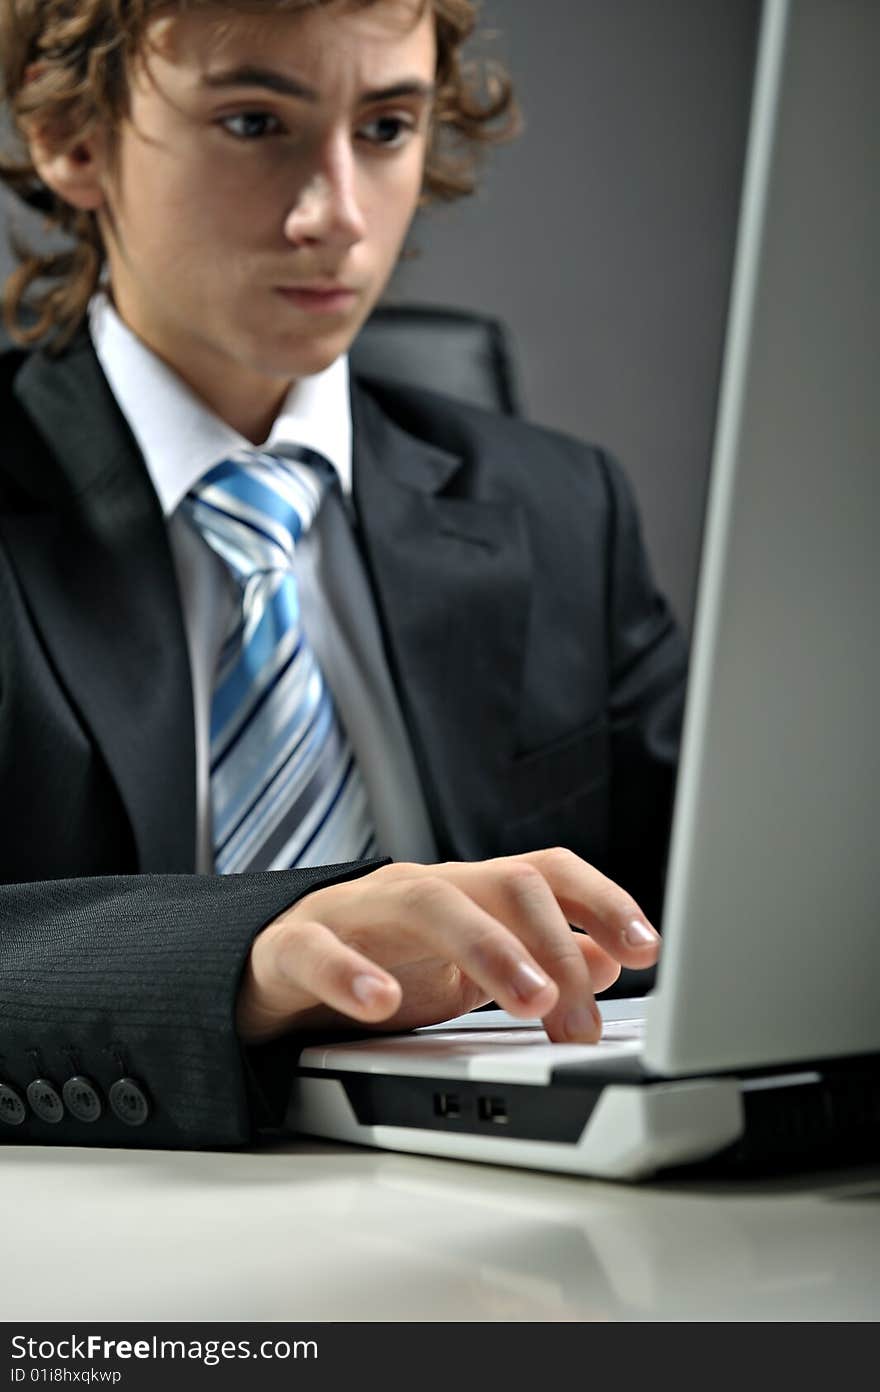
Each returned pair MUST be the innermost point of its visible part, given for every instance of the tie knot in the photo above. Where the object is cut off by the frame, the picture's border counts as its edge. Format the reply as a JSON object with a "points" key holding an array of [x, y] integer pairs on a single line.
{"points": [[254, 506]]}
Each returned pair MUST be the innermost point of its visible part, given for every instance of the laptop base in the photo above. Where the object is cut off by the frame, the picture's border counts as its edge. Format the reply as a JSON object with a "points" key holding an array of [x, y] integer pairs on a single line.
{"points": [[611, 1121], [628, 1131]]}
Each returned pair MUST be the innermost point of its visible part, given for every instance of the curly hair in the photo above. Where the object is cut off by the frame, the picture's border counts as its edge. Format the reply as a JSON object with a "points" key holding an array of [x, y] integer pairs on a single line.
{"points": [[64, 66]]}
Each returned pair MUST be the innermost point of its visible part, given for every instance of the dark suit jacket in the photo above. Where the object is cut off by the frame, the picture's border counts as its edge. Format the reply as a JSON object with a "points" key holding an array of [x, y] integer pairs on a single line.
{"points": [[540, 675]]}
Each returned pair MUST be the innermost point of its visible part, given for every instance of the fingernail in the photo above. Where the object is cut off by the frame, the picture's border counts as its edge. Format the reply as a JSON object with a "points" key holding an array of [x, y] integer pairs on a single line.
{"points": [[580, 1022], [368, 989], [638, 934], [527, 982]]}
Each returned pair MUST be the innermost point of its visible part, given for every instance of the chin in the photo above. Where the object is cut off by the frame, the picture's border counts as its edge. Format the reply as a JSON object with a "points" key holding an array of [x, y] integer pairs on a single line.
{"points": [[307, 360]]}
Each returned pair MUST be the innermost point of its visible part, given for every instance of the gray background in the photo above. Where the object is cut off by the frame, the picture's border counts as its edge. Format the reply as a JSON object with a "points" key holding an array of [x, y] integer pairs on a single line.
{"points": [[603, 236]]}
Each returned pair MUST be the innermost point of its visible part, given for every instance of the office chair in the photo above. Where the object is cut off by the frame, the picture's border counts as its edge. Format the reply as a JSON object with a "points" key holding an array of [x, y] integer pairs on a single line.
{"points": [[462, 354]]}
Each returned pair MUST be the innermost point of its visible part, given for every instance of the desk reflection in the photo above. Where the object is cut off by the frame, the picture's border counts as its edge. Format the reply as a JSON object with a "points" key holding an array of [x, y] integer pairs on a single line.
{"points": [[309, 1231]]}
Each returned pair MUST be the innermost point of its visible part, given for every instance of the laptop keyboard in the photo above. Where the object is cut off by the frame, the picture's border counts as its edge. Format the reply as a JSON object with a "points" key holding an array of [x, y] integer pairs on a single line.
{"points": [[622, 1029]]}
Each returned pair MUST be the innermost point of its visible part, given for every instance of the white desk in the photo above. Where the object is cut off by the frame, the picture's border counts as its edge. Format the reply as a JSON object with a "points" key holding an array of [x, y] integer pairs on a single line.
{"points": [[314, 1231]]}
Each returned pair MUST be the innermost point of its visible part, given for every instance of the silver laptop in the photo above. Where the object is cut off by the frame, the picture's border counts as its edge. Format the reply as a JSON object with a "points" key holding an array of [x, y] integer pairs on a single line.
{"points": [[762, 1037]]}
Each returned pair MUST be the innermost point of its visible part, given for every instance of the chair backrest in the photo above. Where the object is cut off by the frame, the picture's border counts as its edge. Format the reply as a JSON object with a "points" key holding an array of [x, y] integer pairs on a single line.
{"points": [[462, 354]]}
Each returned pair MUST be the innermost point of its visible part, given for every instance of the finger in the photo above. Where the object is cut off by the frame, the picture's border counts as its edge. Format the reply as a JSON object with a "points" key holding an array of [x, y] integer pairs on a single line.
{"points": [[303, 964], [530, 910], [595, 903], [519, 895], [604, 970], [428, 915]]}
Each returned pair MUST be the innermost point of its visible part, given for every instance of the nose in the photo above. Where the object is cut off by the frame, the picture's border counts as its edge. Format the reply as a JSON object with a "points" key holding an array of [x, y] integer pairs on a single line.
{"points": [[327, 211]]}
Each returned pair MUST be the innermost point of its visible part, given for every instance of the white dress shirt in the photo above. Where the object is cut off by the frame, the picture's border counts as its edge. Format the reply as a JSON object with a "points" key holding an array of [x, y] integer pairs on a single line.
{"points": [[181, 438]]}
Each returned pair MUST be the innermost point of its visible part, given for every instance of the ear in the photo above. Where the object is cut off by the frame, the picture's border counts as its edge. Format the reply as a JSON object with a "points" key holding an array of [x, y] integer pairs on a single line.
{"points": [[76, 174]]}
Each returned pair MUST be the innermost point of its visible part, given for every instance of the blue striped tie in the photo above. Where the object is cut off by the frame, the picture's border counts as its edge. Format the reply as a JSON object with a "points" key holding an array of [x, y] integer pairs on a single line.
{"points": [[285, 788]]}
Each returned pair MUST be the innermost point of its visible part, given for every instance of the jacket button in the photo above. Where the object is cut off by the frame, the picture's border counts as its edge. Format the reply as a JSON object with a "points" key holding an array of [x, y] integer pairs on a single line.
{"points": [[128, 1102], [12, 1109], [44, 1100], [82, 1098]]}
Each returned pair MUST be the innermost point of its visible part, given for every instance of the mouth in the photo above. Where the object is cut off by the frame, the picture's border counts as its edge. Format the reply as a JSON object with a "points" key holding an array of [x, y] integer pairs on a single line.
{"points": [[319, 299]]}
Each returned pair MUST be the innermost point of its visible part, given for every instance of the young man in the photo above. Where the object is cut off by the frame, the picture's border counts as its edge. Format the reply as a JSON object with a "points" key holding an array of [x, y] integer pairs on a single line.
{"points": [[207, 530]]}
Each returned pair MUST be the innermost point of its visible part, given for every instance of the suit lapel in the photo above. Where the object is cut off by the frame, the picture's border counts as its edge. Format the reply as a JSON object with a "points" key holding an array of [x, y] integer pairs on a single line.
{"points": [[451, 577], [94, 561]]}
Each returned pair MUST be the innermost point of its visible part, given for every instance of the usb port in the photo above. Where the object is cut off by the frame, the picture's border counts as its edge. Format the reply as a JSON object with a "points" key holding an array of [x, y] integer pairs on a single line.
{"points": [[492, 1109], [446, 1104]]}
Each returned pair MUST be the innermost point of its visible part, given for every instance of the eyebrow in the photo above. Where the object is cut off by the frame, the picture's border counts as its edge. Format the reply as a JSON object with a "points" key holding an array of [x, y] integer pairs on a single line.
{"points": [[290, 86]]}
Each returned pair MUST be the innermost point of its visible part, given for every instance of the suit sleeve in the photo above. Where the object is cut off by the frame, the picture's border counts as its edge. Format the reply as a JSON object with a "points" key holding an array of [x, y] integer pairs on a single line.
{"points": [[647, 672], [135, 977]]}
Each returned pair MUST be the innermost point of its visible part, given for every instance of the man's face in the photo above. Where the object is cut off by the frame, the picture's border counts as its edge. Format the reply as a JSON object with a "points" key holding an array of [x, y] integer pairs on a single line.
{"points": [[260, 168]]}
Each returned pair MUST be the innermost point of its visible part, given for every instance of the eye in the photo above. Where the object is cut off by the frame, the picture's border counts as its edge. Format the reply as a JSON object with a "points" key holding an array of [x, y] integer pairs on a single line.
{"points": [[251, 125], [387, 131]]}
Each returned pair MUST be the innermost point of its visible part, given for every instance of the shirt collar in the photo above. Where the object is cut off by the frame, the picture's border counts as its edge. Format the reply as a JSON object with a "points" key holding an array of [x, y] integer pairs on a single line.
{"points": [[181, 438]]}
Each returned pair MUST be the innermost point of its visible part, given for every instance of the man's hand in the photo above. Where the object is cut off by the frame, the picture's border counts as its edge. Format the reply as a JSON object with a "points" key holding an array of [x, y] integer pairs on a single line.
{"points": [[411, 945]]}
